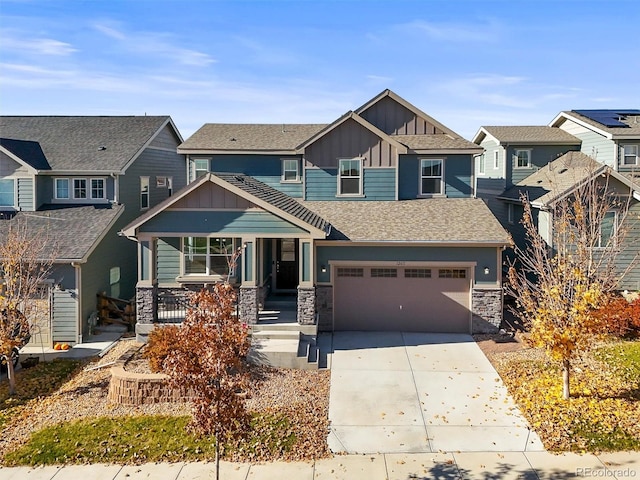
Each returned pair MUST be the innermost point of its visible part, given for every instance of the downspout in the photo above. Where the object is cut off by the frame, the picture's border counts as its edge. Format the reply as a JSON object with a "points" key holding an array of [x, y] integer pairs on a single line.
{"points": [[78, 276]]}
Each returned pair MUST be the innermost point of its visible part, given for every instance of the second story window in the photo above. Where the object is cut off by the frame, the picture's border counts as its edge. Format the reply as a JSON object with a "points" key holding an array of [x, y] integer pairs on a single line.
{"points": [[496, 160], [630, 155], [79, 188], [62, 188], [481, 166], [431, 178], [350, 176], [290, 172], [7, 192], [97, 188], [144, 192], [523, 158], [608, 228]]}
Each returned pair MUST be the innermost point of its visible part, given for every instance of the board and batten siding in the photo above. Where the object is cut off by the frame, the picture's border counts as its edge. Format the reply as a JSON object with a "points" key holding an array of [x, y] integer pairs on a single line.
{"points": [[210, 195], [395, 119], [264, 168], [378, 184], [457, 176], [350, 140], [65, 316], [593, 144], [482, 256]]}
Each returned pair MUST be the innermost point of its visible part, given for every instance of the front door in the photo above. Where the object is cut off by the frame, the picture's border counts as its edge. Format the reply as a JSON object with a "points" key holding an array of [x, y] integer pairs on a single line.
{"points": [[286, 264]]}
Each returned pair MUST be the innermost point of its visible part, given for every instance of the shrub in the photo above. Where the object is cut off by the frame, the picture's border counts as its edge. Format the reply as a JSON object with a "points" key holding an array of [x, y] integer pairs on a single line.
{"points": [[621, 316], [161, 343]]}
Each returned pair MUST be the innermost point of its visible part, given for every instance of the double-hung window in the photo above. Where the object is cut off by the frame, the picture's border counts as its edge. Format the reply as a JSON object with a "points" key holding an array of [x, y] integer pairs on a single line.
{"points": [[431, 176], [62, 188], [523, 158], [350, 176], [144, 192], [7, 192], [97, 188], [496, 160], [608, 227], [290, 170], [207, 256], [80, 188], [481, 166], [630, 155], [199, 167]]}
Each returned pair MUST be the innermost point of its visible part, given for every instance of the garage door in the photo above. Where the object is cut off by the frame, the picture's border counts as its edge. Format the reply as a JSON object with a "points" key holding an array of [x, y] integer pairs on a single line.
{"points": [[401, 298]]}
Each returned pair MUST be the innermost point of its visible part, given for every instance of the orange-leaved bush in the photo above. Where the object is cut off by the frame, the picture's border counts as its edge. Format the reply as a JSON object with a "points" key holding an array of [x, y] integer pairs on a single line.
{"points": [[621, 316]]}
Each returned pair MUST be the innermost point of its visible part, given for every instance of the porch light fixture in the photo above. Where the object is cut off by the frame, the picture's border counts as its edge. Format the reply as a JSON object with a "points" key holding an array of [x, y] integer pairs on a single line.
{"points": [[323, 268], [486, 270]]}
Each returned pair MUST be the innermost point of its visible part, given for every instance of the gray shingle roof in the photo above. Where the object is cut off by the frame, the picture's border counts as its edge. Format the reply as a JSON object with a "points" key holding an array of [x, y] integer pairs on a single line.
{"points": [[532, 134], [556, 178], [28, 151], [73, 143], [258, 137], [274, 197], [73, 229], [632, 122], [447, 220], [434, 142]]}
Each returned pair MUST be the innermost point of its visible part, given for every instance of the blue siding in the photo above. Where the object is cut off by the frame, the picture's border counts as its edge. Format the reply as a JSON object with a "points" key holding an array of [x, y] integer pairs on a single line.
{"points": [[485, 257], [457, 176], [378, 184], [265, 168], [65, 316], [168, 260], [206, 222], [540, 156]]}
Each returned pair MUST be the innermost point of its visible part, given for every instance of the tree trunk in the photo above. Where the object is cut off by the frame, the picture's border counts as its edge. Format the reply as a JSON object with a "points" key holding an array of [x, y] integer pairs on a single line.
{"points": [[11, 375], [217, 456], [566, 391]]}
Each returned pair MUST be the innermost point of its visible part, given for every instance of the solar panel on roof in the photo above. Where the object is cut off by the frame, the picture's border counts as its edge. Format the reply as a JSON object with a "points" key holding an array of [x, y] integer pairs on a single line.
{"points": [[608, 118]]}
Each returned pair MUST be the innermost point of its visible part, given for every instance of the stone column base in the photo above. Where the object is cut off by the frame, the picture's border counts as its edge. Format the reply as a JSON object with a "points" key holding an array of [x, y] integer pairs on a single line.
{"points": [[248, 305], [306, 305], [487, 310], [324, 307]]}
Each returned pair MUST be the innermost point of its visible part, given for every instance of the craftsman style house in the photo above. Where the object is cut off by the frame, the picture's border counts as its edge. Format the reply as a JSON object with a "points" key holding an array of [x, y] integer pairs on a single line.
{"points": [[369, 223], [79, 180]]}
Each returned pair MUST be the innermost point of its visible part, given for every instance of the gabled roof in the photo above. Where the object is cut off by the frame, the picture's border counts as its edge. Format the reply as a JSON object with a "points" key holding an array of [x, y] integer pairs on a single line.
{"points": [[526, 135], [408, 106], [629, 124], [84, 143], [229, 138], [559, 178], [433, 220], [357, 118], [75, 230], [254, 191], [437, 143], [26, 152]]}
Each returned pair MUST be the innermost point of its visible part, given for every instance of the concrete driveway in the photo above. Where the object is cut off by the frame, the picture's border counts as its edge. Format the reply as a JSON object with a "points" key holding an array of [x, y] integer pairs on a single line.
{"points": [[415, 392]]}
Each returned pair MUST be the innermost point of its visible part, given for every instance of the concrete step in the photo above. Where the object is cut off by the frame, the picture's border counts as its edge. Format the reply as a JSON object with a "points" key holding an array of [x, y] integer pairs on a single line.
{"points": [[284, 349], [284, 326], [281, 334]]}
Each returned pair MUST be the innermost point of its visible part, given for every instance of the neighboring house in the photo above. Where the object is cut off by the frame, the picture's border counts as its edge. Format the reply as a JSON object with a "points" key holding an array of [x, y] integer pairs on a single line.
{"points": [[611, 137], [511, 154], [369, 223], [82, 179], [558, 180]]}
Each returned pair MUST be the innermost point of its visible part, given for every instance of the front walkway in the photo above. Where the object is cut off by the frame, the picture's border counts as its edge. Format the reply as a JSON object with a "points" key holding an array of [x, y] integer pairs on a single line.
{"points": [[394, 392], [441, 466]]}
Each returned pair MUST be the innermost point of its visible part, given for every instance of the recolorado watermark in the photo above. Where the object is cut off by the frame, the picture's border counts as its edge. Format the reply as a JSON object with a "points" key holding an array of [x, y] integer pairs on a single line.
{"points": [[606, 472]]}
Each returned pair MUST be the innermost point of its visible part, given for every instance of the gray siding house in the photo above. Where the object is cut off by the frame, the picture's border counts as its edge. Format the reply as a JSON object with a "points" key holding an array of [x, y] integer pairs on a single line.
{"points": [[368, 223], [82, 179]]}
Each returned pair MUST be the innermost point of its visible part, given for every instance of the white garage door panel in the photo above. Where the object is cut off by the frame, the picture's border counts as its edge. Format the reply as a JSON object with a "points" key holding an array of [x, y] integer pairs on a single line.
{"points": [[408, 304]]}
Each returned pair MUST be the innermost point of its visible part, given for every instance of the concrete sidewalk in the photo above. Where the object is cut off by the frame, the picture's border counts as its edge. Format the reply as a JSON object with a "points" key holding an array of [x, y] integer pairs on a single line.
{"points": [[441, 466]]}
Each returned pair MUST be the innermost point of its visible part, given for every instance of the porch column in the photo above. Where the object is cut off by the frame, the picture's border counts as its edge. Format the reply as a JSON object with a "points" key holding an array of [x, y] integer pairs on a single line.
{"points": [[306, 289], [146, 288], [248, 301]]}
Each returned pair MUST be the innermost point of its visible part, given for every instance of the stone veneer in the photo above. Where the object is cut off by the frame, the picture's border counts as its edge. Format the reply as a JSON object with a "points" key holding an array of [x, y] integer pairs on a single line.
{"points": [[306, 305], [487, 310], [248, 304], [324, 307], [146, 303]]}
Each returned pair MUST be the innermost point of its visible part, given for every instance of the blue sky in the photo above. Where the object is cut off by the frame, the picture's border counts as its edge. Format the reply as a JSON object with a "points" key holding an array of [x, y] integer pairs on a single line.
{"points": [[466, 63]]}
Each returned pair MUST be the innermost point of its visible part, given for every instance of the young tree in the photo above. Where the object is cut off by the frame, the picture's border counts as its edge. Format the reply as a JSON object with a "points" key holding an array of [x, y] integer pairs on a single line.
{"points": [[26, 261], [558, 285], [206, 358]]}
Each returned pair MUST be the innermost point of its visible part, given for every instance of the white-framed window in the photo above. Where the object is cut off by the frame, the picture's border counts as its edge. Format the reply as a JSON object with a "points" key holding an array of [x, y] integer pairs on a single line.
{"points": [[207, 256], [510, 207], [80, 188], [199, 167], [97, 188], [496, 160], [431, 176], [608, 229], [144, 192], [350, 176], [290, 170], [481, 166], [161, 182], [630, 155], [61, 188], [522, 158], [170, 185], [7, 192]]}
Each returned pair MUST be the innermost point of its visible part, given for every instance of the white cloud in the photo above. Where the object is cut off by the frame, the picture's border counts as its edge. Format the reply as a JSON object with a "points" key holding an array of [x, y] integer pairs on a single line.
{"points": [[38, 46], [454, 32]]}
